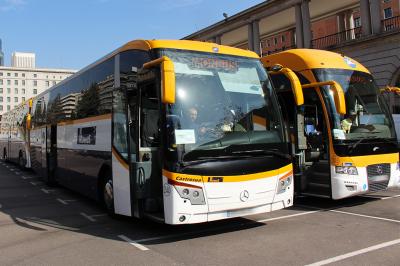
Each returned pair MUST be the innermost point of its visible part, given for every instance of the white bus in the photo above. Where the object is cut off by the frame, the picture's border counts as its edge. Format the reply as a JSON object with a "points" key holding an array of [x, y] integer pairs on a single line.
{"points": [[177, 131]]}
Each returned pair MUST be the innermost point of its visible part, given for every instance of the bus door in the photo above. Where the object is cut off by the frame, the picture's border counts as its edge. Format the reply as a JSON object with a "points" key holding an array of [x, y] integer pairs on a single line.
{"points": [[148, 164], [43, 153], [313, 142], [51, 154]]}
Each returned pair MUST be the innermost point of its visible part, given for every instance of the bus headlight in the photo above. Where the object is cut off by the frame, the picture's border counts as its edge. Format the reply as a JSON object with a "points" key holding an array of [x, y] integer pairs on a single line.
{"points": [[195, 195], [284, 183], [349, 170]]}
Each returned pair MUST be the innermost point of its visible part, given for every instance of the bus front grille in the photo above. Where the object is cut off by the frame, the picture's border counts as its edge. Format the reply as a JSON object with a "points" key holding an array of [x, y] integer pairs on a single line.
{"points": [[378, 176]]}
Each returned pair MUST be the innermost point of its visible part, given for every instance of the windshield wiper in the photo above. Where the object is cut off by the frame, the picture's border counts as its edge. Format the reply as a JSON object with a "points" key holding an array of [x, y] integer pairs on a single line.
{"points": [[352, 147], [273, 152], [206, 159]]}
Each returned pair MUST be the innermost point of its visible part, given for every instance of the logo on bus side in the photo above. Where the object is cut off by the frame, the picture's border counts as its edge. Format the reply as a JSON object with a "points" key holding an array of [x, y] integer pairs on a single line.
{"points": [[215, 179]]}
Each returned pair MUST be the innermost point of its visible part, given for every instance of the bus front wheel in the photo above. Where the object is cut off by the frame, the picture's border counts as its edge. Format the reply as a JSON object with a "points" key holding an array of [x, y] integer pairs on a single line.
{"points": [[108, 195]]}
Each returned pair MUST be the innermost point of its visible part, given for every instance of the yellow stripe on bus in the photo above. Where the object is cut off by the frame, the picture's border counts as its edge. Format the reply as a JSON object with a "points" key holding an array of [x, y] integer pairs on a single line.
{"points": [[234, 178], [363, 161]]}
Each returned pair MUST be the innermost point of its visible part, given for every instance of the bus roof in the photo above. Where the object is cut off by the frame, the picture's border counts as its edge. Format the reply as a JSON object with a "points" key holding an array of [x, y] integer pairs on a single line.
{"points": [[187, 45], [305, 59]]}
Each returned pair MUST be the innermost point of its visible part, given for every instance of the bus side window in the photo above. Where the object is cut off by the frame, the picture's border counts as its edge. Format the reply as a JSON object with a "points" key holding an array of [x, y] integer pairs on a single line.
{"points": [[150, 116]]}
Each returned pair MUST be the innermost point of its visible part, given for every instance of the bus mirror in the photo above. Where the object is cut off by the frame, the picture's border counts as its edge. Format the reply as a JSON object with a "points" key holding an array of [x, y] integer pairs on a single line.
{"points": [[337, 91], [28, 122], [294, 82], [168, 81], [339, 97], [167, 78]]}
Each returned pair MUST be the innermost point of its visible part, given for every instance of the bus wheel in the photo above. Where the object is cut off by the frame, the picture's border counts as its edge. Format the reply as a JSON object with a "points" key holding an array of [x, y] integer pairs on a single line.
{"points": [[108, 195], [21, 163]]}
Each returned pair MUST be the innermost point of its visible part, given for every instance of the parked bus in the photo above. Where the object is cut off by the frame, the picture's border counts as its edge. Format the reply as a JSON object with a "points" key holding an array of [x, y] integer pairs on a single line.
{"points": [[177, 131], [343, 136]]}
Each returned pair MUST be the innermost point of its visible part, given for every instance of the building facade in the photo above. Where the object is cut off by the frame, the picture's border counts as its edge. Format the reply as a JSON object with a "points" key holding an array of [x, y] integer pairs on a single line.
{"points": [[19, 84], [25, 60], [366, 30]]}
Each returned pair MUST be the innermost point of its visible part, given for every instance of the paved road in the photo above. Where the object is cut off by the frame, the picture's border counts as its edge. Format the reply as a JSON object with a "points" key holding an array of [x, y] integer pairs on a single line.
{"points": [[54, 226]]}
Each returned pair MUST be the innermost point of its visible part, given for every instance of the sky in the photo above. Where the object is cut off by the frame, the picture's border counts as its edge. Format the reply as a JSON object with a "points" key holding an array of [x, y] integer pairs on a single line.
{"points": [[74, 33]]}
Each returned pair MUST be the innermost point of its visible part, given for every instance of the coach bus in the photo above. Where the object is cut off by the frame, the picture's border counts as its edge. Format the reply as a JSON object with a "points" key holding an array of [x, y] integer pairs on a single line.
{"points": [[343, 136], [175, 131]]}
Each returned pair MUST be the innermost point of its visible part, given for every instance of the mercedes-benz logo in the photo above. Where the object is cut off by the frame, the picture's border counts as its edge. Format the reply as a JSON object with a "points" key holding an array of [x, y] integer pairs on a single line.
{"points": [[379, 169], [244, 195]]}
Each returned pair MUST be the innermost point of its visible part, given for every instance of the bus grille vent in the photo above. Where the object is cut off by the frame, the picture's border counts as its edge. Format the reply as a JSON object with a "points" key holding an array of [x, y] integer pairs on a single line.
{"points": [[378, 176]]}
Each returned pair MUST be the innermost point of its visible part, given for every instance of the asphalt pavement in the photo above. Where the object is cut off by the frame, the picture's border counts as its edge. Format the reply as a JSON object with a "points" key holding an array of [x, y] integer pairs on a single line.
{"points": [[41, 225]]}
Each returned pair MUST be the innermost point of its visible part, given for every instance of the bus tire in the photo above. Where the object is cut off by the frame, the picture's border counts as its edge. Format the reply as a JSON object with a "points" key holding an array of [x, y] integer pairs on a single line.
{"points": [[21, 162], [107, 193]]}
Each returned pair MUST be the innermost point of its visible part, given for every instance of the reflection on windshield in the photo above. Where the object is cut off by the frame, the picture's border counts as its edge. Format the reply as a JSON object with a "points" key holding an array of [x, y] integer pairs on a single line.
{"points": [[367, 115], [221, 101]]}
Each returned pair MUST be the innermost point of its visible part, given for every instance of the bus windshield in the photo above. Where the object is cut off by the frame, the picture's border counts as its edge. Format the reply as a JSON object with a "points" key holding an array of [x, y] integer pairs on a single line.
{"points": [[224, 104], [367, 115]]}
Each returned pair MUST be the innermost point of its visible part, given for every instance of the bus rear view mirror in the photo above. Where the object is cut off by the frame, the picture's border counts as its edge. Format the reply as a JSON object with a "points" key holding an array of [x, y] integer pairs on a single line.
{"points": [[167, 78], [337, 91], [294, 82]]}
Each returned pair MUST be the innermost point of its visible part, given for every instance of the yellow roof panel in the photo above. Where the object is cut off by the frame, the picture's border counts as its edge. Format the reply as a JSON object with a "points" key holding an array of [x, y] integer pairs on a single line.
{"points": [[304, 59], [187, 45]]}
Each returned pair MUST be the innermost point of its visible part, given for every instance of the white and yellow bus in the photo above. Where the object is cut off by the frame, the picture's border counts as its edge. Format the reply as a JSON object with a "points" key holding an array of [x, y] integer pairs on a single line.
{"points": [[177, 131], [343, 136]]}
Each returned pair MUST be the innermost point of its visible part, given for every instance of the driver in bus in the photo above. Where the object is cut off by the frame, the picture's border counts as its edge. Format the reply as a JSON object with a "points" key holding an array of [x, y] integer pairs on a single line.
{"points": [[193, 122]]}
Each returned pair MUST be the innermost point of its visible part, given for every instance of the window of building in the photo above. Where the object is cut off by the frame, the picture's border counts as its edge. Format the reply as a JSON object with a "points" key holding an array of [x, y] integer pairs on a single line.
{"points": [[8, 90], [1, 107], [35, 83], [15, 82], [35, 75], [1, 73], [15, 90], [23, 99], [54, 83], [1, 90], [387, 13], [15, 99], [357, 22], [23, 82], [23, 91], [23, 75], [283, 38], [8, 82], [1, 99], [15, 74], [8, 74], [1, 82], [35, 91], [8, 108], [275, 41], [47, 83], [8, 99]]}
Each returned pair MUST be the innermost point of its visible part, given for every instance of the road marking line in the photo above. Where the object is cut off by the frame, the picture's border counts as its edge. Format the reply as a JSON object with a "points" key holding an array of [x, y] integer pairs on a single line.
{"points": [[355, 253], [351, 213], [88, 217], [392, 197], [17, 173], [133, 243], [35, 183], [287, 216], [26, 177], [47, 191], [62, 201], [65, 202], [366, 216]]}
